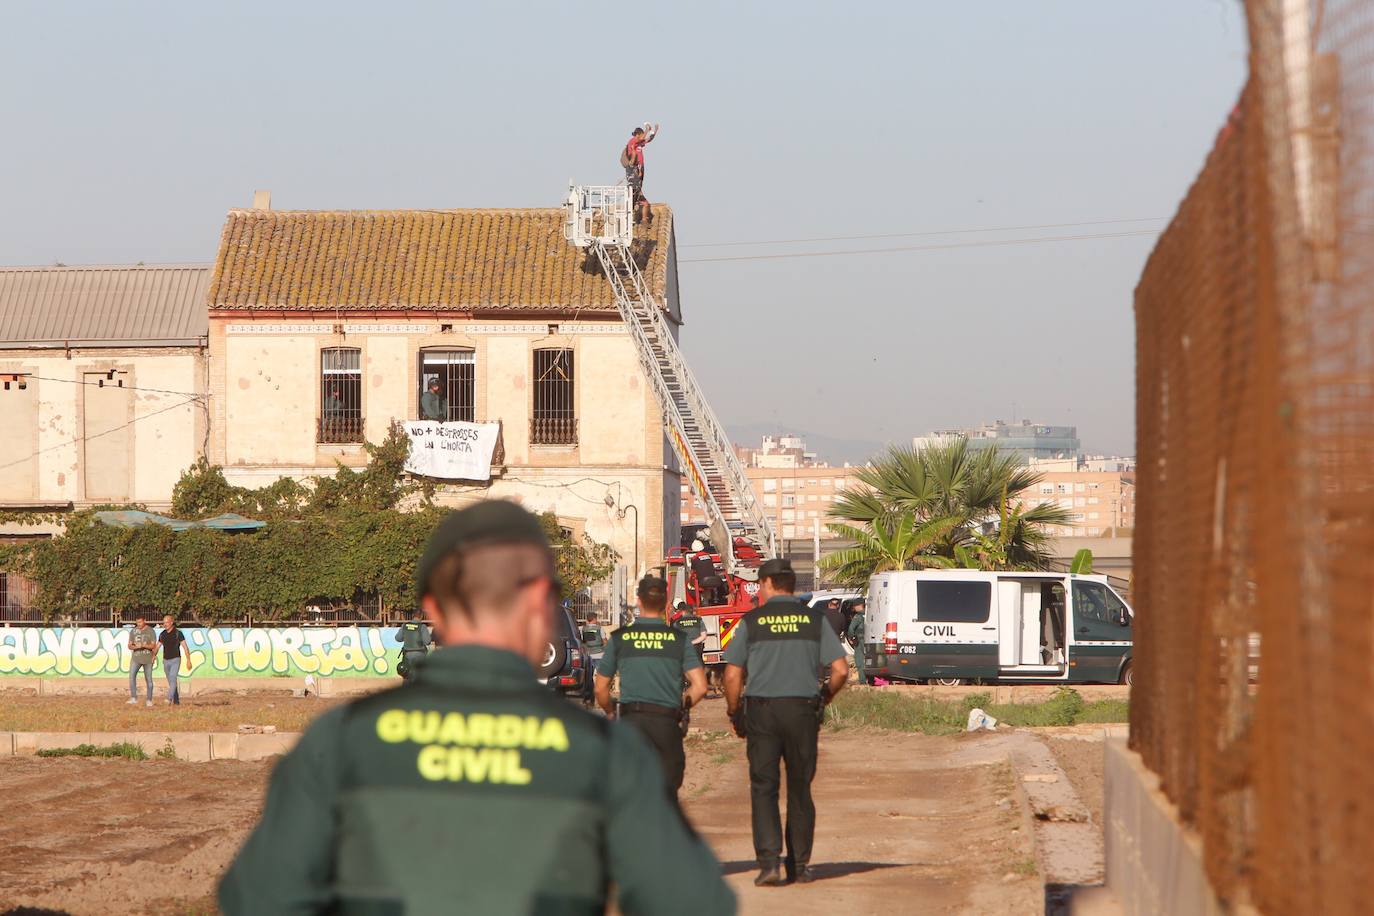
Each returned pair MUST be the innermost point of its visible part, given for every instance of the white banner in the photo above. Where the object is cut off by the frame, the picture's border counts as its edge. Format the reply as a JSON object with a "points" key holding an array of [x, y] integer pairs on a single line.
{"points": [[452, 451]]}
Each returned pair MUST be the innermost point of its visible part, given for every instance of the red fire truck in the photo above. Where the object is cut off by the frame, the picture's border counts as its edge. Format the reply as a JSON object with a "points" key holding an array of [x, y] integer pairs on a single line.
{"points": [[698, 576]]}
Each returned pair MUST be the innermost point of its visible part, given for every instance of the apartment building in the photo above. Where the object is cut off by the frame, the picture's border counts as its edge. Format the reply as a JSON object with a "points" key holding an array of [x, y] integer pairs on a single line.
{"points": [[1101, 502], [797, 499]]}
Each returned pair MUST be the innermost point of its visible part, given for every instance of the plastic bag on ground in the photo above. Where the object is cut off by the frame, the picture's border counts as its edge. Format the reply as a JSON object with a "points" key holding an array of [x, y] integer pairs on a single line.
{"points": [[979, 720]]}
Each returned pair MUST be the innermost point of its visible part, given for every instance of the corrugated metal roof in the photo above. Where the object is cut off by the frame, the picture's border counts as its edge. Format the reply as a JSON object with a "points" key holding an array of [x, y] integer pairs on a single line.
{"points": [[157, 303]]}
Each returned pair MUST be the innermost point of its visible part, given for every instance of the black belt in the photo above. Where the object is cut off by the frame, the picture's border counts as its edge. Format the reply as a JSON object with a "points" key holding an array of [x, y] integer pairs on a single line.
{"points": [[650, 708], [782, 699]]}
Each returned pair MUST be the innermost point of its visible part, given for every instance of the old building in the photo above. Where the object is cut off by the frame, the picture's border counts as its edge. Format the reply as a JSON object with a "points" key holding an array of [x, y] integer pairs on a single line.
{"points": [[326, 327], [102, 382]]}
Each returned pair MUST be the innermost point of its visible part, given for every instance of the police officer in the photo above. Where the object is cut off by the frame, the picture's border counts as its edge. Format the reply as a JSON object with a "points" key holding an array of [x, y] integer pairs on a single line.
{"points": [[474, 789], [653, 658], [855, 632], [688, 621], [415, 642], [782, 643]]}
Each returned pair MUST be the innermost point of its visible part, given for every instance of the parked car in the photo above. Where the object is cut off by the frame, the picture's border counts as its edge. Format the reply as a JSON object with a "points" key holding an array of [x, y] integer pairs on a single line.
{"points": [[567, 664]]}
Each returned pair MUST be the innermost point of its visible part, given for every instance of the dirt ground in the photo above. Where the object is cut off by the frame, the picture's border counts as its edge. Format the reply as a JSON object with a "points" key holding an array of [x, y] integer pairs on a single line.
{"points": [[208, 713], [1082, 763], [906, 823]]}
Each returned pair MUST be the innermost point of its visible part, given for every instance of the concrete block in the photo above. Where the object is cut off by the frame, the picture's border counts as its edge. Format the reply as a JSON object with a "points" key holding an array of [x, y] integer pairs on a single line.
{"points": [[256, 747], [26, 686], [1154, 862], [6, 744], [32, 742], [224, 746]]}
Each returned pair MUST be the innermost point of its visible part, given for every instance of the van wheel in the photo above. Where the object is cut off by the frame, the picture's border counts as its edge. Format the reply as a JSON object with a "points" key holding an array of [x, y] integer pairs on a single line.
{"points": [[1128, 674], [948, 681]]}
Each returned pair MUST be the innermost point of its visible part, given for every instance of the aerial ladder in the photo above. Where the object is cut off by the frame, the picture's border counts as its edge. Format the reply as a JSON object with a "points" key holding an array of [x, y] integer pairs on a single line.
{"points": [[599, 218]]}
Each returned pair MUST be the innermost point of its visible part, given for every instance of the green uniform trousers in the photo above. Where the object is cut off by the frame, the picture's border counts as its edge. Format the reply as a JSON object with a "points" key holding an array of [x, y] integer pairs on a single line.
{"points": [[664, 733], [782, 729]]}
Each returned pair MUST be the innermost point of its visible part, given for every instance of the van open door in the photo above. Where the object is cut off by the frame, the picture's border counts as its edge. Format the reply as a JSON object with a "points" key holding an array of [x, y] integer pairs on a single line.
{"points": [[1032, 613]]}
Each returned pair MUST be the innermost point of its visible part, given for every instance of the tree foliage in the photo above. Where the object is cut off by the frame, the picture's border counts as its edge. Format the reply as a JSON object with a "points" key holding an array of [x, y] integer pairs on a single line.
{"points": [[327, 540], [942, 506]]}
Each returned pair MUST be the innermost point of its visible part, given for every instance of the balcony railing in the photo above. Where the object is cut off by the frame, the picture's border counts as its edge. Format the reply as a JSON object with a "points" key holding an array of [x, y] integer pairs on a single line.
{"points": [[553, 431], [345, 426]]}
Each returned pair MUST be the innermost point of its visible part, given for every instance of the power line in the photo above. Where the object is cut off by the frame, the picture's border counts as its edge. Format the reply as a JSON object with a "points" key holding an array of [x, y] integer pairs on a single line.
{"points": [[988, 244], [904, 235]]}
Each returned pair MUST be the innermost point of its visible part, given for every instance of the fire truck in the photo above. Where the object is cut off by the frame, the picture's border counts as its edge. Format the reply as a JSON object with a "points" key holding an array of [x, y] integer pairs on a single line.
{"points": [[720, 582]]}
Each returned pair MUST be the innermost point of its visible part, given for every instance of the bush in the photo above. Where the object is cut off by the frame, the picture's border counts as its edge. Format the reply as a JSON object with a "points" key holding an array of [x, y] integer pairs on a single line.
{"points": [[125, 749]]}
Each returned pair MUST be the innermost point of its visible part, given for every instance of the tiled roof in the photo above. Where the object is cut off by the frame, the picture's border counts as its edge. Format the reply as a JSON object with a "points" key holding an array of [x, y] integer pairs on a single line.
{"points": [[437, 260], [134, 304]]}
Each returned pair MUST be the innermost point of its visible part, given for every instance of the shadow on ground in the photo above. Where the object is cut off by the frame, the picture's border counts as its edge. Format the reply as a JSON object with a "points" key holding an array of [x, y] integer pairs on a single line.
{"points": [[823, 870]]}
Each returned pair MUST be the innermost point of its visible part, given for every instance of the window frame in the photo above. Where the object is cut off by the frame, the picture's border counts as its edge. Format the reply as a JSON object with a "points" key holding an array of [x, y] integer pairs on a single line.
{"points": [[552, 423], [342, 425], [453, 412], [925, 589]]}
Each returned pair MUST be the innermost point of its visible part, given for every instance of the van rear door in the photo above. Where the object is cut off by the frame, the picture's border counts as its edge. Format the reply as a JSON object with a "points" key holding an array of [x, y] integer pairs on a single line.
{"points": [[957, 627]]}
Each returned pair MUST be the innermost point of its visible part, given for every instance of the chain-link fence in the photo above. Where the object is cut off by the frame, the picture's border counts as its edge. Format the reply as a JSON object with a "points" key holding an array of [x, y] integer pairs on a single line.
{"points": [[1254, 548]]}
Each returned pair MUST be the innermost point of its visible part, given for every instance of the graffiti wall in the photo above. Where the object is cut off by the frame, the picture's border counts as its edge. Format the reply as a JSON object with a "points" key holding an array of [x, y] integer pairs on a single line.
{"points": [[221, 652]]}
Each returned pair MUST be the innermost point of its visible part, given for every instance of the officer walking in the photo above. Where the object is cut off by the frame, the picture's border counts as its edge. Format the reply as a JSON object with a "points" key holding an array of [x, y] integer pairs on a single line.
{"points": [[855, 632], [653, 658], [782, 643], [473, 789], [415, 642]]}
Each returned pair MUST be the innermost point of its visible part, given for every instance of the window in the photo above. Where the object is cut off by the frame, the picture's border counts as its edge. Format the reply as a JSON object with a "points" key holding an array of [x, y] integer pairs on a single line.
{"points": [[1063, 488], [811, 483], [789, 531], [1046, 489], [789, 515], [770, 500], [1094, 601], [789, 485], [953, 602], [789, 500], [554, 421], [1079, 488], [448, 385], [341, 395], [770, 485]]}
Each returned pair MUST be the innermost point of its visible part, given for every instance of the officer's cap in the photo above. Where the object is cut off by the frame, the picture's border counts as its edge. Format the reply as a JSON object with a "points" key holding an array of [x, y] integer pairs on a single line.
{"points": [[774, 567], [492, 521], [652, 585]]}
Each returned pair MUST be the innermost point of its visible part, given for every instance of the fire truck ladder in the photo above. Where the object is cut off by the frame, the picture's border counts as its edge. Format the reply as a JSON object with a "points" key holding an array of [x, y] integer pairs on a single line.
{"points": [[599, 218]]}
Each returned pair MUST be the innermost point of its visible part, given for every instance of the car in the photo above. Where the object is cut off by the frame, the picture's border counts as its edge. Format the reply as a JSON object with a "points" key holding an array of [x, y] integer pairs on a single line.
{"points": [[567, 663]]}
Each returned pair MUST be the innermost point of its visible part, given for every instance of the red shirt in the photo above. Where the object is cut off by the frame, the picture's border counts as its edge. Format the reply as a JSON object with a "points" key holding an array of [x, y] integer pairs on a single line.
{"points": [[636, 148]]}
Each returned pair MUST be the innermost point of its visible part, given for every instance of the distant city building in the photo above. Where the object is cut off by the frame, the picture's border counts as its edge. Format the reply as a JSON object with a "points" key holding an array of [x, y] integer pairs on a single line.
{"points": [[1025, 439], [1101, 503], [797, 500], [787, 451], [1099, 463]]}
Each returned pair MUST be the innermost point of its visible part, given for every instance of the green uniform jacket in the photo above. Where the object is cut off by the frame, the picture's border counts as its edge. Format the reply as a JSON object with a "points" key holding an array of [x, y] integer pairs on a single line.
{"points": [[414, 636], [783, 645], [472, 790], [652, 659]]}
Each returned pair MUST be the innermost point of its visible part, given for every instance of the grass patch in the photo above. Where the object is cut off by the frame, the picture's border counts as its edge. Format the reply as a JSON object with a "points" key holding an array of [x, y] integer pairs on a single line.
{"points": [[168, 752], [124, 749], [931, 716]]}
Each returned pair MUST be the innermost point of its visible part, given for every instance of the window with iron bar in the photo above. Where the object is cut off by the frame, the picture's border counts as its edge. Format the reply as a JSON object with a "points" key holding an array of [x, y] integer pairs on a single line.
{"points": [[448, 385], [554, 419], [341, 395]]}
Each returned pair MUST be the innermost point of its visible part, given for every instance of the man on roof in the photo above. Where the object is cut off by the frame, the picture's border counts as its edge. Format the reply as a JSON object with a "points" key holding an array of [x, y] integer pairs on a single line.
{"points": [[632, 159]]}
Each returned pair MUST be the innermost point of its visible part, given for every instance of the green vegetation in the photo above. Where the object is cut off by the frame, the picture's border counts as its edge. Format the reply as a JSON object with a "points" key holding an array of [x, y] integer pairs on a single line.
{"points": [[946, 506], [125, 749], [329, 541], [933, 716], [167, 752]]}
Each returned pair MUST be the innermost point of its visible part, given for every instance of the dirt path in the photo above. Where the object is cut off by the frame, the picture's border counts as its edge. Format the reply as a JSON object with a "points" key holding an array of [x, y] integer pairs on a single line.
{"points": [[906, 823]]}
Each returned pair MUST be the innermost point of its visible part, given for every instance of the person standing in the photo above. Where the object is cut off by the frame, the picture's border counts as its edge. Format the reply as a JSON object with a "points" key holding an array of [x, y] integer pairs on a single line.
{"points": [[415, 642], [689, 622], [782, 643], [142, 652], [834, 616], [653, 658], [855, 632], [632, 158], [174, 650], [433, 404], [474, 789]]}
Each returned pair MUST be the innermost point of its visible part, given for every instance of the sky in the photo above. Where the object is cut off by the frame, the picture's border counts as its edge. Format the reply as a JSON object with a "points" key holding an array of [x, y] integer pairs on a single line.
{"points": [[133, 127]]}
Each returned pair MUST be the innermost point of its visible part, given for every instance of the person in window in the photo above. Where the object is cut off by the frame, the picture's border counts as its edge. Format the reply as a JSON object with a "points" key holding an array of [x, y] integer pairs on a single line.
{"points": [[433, 405], [333, 416]]}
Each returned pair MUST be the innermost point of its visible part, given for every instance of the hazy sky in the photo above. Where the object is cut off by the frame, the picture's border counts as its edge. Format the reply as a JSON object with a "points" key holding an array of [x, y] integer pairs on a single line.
{"points": [[132, 127]]}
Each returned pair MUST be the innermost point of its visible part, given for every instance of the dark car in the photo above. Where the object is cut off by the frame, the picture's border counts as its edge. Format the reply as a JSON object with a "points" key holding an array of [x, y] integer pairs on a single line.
{"points": [[567, 665]]}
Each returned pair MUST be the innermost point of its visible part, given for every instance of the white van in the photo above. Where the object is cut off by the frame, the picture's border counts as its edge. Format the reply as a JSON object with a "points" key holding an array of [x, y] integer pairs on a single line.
{"points": [[954, 626]]}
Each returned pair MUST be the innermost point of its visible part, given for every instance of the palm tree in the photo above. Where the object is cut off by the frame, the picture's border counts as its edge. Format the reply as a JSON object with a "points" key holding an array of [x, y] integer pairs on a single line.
{"points": [[968, 492], [899, 543]]}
